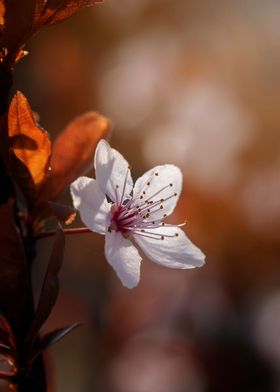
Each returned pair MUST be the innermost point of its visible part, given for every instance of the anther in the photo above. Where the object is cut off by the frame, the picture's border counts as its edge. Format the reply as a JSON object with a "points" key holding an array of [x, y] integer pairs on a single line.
{"points": [[176, 235], [148, 183], [141, 197], [117, 186], [170, 184], [144, 193], [129, 167], [165, 215], [175, 194], [162, 200], [162, 237], [156, 174], [161, 207]]}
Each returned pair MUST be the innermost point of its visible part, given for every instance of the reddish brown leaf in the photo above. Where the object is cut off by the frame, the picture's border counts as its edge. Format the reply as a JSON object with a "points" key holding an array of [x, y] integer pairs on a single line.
{"points": [[30, 144], [57, 10], [6, 334], [47, 209], [7, 376], [50, 288], [63, 212], [30, 149], [13, 268], [73, 152], [51, 338], [2, 12], [21, 19], [18, 26]]}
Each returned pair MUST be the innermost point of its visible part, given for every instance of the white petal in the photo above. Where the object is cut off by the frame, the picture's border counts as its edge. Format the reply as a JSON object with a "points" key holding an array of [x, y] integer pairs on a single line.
{"points": [[165, 176], [124, 258], [91, 203], [175, 252], [111, 171]]}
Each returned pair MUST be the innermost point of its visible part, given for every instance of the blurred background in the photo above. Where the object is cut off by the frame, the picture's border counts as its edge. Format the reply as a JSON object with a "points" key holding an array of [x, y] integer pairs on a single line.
{"points": [[195, 83]]}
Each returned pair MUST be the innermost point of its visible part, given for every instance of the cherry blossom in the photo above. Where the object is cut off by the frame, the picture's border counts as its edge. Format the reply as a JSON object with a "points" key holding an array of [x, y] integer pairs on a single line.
{"points": [[134, 217]]}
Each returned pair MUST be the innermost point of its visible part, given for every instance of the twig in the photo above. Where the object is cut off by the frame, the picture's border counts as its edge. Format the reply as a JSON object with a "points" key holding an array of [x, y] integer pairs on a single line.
{"points": [[76, 230]]}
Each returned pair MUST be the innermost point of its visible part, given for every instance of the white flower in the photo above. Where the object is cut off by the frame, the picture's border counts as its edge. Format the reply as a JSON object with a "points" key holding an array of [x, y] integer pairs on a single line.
{"points": [[134, 215]]}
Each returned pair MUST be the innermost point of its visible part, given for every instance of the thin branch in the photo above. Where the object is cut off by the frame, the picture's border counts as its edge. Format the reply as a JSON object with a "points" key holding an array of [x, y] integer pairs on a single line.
{"points": [[76, 230]]}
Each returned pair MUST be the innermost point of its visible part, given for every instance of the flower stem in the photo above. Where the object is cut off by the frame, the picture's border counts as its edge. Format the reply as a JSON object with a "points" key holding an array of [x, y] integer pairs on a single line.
{"points": [[76, 230]]}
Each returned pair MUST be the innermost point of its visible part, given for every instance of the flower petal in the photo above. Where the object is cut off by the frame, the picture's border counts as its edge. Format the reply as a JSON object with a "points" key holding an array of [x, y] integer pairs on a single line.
{"points": [[91, 203], [160, 183], [172, 252], [112, 171], [124, 258]]}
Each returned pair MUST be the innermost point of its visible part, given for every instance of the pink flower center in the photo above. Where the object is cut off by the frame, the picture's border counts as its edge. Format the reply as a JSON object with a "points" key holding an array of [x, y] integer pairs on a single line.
{"points": [[139, 215]]}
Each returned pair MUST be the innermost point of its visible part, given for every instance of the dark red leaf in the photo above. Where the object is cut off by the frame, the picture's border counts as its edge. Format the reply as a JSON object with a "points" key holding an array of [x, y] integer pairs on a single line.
{"points": [[9, 376], [18, 26], [48, 209], [63, 212], [57, 10], [21, 19], [6, 334], [50, 288], [73, 152], [8, 353], [13, 268], [2, 12], [51, 338]]}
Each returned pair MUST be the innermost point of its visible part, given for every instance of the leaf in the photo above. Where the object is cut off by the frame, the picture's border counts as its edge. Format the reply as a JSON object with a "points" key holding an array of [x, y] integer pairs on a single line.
{"points": [[48, 209], [6, 334], [51, 338], [8, 376], [63, 212], [21, 19], [18, 26], [50, 288], [30, 144], [7, 352], [73, 152], [13, 268], [2, 12], [30, 149], [57, 10]]}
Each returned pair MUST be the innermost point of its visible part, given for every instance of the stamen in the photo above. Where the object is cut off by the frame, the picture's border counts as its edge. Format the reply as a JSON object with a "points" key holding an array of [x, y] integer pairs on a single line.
{"points": [[179, 225], [117, 194], [160, 235], [125, 182], [147, 236], [159, 191], [135, 197], [131, 217]]}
